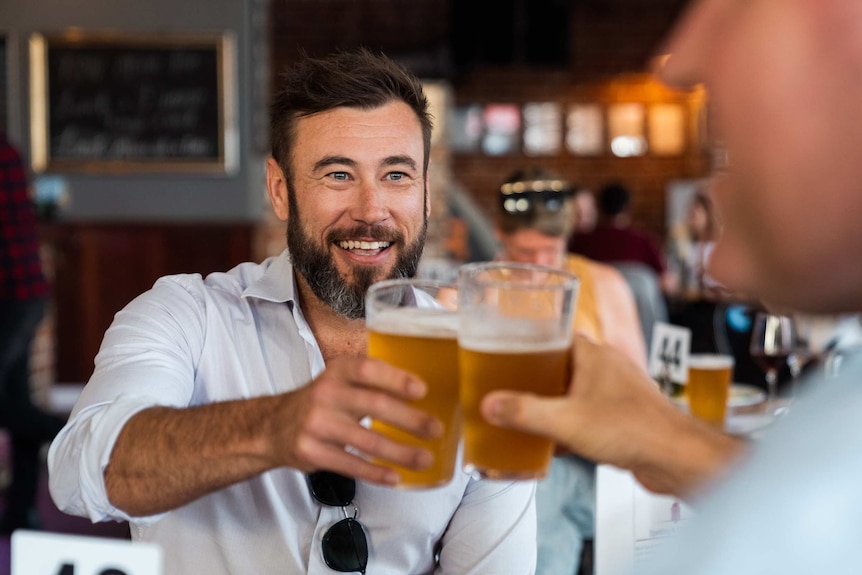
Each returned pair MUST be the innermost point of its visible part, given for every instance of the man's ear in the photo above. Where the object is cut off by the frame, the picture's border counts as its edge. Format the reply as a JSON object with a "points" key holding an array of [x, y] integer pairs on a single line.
{"points": [[276, 187]]}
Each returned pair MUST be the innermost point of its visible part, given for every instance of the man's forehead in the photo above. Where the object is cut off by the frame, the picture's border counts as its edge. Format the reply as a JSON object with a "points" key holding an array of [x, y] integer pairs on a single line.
{"points": [[390, 113], [386, 135]]}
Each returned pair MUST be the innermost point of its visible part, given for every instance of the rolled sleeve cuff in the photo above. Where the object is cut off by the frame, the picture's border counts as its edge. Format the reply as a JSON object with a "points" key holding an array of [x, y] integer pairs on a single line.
{"points": [[79, 456]]}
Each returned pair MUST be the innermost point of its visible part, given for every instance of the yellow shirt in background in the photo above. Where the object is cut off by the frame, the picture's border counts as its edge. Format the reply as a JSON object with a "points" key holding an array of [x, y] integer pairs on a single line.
{"points": [[587, 319]]}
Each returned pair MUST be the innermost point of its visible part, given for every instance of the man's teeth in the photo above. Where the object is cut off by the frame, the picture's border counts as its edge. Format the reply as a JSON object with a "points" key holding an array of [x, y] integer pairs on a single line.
{"points": [[354, 245]]}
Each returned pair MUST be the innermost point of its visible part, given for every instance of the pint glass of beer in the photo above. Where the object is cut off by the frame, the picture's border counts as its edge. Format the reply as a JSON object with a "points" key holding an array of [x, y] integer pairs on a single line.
{"points": [[413, 324], [708, 384], [515, 333]]}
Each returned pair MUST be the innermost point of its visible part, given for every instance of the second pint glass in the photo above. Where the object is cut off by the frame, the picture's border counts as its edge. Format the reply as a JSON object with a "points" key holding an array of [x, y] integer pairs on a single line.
{"points": [[709, 377], [515, 333], [409, 326]]}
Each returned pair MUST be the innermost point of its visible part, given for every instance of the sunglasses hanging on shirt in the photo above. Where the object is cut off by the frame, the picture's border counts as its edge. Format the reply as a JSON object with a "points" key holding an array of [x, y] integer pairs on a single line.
{"points": [[344, 545]]}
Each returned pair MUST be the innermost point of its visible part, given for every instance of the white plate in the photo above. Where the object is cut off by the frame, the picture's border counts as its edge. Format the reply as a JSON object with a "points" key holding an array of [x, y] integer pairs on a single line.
{"points": [[747, 424], [743, 395], [740, 395]]}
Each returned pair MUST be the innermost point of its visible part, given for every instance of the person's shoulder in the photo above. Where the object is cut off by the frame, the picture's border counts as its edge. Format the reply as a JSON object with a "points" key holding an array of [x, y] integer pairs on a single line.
{"points": [[240, 276], [806, 465], [607, 278], [233, 281], [604, 271]]}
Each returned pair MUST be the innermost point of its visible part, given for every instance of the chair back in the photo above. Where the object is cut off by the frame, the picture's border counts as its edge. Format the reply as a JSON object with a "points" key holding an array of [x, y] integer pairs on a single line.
{"points": [[645, 286]]}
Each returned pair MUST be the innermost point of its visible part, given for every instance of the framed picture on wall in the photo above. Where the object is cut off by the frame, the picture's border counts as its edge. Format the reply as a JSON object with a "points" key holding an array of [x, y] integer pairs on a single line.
{"points": [[585, 130], [626, 129], [543, 128], [666, 129], [502, 124], [131, 102]]}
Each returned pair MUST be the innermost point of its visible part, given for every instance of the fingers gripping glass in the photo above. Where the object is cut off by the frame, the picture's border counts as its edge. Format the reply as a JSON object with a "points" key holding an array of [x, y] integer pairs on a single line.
{"points": [[344, 546]]}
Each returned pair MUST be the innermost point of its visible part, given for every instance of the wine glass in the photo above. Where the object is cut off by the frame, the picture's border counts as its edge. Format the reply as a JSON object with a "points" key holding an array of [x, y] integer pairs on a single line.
{"points": [[773, 340]]}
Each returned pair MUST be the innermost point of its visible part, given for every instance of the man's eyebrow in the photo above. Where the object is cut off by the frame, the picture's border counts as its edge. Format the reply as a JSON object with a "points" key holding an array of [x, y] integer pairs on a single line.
{"points": [[332, 160], [399, 161]]}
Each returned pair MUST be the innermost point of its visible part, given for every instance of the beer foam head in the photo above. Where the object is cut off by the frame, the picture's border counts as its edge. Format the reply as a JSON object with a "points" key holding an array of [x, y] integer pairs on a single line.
{"points": [[415, 321], [514, 347], [710, 361]]}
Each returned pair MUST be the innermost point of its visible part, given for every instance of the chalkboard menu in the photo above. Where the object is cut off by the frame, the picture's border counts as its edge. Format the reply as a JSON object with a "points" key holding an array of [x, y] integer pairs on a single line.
{"points": [[132, 103]]}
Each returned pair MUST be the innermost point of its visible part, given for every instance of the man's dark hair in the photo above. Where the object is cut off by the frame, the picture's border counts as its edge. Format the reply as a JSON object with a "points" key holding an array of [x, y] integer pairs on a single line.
{"points": [[614, 199], [357, 79]]}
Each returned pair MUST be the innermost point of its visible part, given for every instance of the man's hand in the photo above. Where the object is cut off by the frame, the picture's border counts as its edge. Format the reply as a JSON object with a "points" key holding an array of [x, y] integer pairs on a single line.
{"points": [[314, 426], [614, 413]]}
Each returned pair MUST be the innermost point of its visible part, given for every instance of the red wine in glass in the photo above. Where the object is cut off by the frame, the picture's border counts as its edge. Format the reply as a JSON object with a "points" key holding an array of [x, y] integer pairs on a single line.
{"points": [[773, 362], [773, 339]]}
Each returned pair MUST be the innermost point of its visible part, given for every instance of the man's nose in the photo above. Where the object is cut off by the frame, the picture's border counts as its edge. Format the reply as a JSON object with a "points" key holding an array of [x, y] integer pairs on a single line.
{"points": [[689, 44], [370, 205]]}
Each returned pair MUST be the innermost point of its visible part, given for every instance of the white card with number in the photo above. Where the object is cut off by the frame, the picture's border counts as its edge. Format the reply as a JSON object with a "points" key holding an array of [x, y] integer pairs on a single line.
{"points": [[669, 351], [38, 553]]}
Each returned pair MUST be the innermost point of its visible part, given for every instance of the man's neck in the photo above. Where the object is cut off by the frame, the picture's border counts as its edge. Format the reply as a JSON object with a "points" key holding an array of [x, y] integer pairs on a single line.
{"points": [[335, 334]]}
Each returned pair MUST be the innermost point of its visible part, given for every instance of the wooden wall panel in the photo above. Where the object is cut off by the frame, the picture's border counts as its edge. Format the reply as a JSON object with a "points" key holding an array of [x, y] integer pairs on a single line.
{"points": [[100, 267]]}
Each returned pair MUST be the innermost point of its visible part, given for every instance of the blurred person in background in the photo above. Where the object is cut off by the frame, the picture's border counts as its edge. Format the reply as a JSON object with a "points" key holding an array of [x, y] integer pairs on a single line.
{"points": [[614, 239], [693, 248], [23, 301], [785, 81], [537, 211], [587, 211]]}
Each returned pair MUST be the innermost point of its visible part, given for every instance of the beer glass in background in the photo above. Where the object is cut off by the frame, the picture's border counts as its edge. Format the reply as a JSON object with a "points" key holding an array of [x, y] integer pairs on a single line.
{"points": [[413, 324], [515, 333], [708, 384]]}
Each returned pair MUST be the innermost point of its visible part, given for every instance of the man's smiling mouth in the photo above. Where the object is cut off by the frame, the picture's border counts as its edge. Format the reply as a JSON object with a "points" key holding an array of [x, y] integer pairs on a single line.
{"points": [[363, 248], [362, 245]]}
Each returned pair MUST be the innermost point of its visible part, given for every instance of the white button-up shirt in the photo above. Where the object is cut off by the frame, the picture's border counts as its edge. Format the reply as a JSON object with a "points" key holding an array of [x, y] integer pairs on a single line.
{"points": [[192, 341]]}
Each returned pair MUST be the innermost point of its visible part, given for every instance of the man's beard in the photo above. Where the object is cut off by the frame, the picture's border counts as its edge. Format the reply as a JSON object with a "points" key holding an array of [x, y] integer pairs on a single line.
{"points": [[317, 265]]}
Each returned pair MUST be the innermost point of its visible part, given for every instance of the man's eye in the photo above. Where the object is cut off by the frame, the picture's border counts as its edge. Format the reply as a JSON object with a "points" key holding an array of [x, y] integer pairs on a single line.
{"points": [[339, 176], [396, 176]]}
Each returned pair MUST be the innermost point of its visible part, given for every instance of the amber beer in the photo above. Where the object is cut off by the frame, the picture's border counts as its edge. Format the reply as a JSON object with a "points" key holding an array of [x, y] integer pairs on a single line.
{"points": [[422, 340], [514, 334], [709, 377], [500, 453]]}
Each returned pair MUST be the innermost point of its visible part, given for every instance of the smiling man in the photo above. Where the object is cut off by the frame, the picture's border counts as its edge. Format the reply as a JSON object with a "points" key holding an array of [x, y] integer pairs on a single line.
{"points": [[224, 416]]}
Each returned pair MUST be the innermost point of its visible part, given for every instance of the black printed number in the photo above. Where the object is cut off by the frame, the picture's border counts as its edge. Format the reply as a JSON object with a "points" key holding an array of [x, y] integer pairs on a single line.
{"points": [[69, 569]]}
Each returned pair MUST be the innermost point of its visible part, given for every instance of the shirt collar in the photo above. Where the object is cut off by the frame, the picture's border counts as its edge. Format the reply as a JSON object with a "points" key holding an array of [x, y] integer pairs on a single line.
{"points": [[277, 284]]}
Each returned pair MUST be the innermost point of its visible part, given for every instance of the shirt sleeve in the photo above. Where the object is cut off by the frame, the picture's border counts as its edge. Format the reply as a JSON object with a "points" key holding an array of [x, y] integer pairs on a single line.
{"points": [[147, 358], [493, 531], [794, 507]]}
